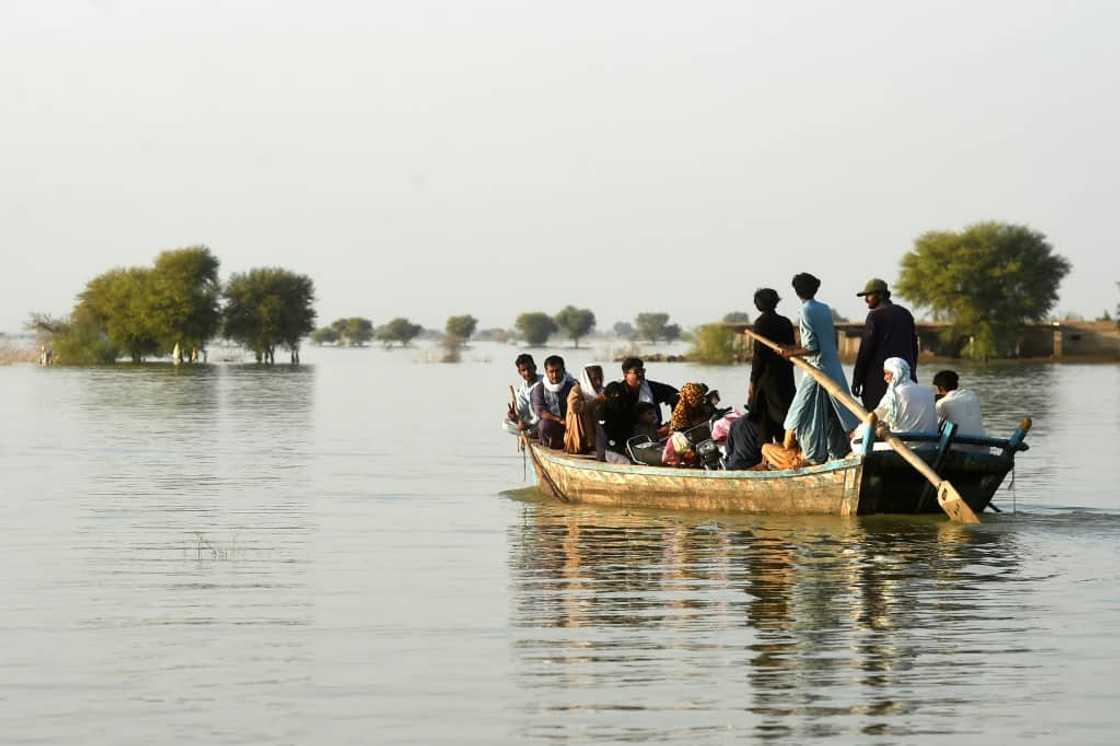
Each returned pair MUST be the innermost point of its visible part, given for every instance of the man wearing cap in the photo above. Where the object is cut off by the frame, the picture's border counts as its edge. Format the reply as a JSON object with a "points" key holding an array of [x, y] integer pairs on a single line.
{"points": [[888, 332]]}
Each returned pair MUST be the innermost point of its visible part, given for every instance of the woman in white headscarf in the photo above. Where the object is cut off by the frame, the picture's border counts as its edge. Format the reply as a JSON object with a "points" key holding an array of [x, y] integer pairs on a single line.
{"points": [[906, 407], [584, 403]]}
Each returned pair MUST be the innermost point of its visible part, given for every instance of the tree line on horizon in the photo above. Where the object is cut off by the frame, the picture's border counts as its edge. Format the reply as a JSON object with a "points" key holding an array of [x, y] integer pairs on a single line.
{"points": [[176, 306], [987, 281]]}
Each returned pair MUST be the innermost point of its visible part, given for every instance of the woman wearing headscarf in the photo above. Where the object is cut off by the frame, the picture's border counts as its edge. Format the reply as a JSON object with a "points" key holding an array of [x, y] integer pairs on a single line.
{"points": [[691, 410], [584, 405], [692, 407], [906, 407]]}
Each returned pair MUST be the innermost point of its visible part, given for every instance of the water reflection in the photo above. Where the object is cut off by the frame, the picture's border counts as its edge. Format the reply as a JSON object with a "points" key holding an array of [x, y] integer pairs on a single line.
{"points": [[195, 493], [777, 628]]}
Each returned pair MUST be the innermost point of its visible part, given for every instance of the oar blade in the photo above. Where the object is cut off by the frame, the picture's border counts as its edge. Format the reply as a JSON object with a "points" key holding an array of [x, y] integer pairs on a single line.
{"points": [[954, 505]]}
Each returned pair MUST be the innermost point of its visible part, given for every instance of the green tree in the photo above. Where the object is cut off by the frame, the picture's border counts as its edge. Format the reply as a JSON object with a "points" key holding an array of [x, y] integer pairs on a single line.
{"points": [[737, 317], [671, 332], [324, 335], [651, 326], [461, 327], [398, 330], [577, 323], [76, 340], [268, 307], [357, 331], [987, 280], [185, 298], [535, 327], [119, 302], [714, 344]]}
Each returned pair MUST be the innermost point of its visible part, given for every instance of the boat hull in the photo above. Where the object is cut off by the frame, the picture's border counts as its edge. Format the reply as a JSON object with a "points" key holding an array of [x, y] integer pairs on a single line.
{"points": [[879, 483]]}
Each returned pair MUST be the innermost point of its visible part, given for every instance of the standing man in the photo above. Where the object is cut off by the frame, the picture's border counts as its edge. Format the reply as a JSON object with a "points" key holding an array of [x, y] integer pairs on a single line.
{"points": [[816, 425], [771, 390], [638, 389], [520, 416], [888, 332]]}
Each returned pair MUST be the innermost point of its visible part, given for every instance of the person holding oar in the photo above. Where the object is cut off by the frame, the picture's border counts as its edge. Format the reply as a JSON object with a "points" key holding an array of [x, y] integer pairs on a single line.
{"points": [[948, 497], [817, 426]]}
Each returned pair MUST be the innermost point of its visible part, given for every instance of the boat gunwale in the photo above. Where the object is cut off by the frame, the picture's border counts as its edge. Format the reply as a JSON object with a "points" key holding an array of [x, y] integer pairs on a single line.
{"points": [[566, 461]]}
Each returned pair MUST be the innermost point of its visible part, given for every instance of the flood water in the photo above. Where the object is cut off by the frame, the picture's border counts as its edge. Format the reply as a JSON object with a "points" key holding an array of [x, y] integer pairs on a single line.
{"points": [[346, 552]]}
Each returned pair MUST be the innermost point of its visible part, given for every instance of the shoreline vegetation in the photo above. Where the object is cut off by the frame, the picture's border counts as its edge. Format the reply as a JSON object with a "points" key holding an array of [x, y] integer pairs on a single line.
{"points": [[989, 290], [177, 306]]}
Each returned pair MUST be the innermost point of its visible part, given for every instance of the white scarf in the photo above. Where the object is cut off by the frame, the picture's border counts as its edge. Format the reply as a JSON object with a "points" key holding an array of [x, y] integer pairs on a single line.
{"points": [[645, 393], [900, 376], [589, 392], [552, 392]]}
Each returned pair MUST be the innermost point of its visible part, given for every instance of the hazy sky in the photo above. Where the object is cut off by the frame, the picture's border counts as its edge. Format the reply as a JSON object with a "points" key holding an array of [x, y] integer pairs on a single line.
{"points": [[422, 159]]}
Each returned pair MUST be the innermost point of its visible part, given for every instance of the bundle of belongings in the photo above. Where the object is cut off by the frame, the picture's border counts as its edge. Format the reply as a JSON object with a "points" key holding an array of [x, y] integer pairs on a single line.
{"points": [[697, 427]]}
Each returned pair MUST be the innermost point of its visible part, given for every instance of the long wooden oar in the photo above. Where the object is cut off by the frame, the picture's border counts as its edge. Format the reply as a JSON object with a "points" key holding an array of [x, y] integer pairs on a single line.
{"points": [[947, 496]]}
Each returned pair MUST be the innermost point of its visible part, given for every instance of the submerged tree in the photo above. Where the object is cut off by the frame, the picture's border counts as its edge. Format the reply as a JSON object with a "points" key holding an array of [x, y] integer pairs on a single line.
{"points": [[185, 298], [75, 340], [357, 330], [714, 344], [461, 327], [577, 323], [652, 326], [535, 327], [119, 302], [987, 280], [623, 329], [398, 330], [324, 336], [269, 307]]}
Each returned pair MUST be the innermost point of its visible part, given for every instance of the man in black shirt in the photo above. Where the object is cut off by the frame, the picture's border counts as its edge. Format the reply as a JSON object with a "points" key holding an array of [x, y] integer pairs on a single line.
{"points": [[639, 389], [771, 390], [887, 332]]}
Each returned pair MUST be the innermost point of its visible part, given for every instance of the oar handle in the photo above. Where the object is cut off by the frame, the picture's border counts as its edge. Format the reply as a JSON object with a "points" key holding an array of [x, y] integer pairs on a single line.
{"points": [[819, 376], [947, 496]]}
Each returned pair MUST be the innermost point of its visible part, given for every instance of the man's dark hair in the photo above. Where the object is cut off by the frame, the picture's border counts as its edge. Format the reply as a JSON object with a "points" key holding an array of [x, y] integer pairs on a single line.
{"points": [[554, 361], [766, 299], [805, 285], [525, 359], [630, 363], [614, 389], [947, 379]]}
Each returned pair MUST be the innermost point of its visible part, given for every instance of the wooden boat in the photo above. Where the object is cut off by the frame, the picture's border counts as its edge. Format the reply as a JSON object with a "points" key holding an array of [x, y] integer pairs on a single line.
{"points": [[878, 482]]}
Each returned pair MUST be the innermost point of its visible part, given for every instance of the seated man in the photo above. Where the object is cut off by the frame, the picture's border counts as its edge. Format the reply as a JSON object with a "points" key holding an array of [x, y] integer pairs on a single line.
{"points": [[520, 416], [550, 402], [638, 389], [959, 406], [905, 408]]}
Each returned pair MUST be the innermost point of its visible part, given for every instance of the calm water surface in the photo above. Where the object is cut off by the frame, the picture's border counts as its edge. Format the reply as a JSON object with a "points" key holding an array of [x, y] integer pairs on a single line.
{"points": [[346, 553]]}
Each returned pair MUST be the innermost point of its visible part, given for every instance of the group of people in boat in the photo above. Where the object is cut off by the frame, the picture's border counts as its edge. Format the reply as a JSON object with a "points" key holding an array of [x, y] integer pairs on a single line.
{"points": [[785, 425]]}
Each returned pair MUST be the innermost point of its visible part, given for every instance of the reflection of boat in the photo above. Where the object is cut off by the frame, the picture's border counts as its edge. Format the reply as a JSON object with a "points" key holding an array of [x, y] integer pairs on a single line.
{"points": [[879, 482]]}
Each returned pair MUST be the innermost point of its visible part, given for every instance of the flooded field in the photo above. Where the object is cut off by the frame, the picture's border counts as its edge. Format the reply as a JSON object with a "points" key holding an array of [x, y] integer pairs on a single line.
{"points": [[347, 552]]}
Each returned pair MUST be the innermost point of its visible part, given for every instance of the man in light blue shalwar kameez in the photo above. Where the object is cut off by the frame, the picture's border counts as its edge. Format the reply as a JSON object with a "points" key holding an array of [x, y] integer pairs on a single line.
{"points": [[820, 423]]}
